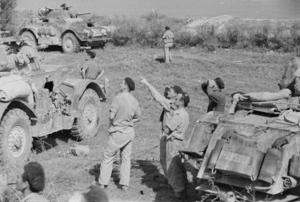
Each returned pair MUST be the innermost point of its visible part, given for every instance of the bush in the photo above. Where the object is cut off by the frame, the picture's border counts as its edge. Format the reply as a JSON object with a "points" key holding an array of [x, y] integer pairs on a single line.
{"points": [[6, 13], [230, 38], [296, 36], [188, 39]]}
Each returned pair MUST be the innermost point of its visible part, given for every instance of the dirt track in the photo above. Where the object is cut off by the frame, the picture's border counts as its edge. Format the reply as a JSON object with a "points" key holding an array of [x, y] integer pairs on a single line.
{"points": [[241, 71]]}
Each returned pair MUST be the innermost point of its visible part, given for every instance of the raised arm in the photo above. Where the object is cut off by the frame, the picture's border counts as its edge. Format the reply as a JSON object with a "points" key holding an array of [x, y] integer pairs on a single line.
{"points": [[164, 102]]}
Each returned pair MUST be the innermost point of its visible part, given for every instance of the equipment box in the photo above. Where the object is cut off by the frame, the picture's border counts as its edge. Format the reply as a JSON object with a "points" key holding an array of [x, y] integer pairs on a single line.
{"points": [[241, 160]]}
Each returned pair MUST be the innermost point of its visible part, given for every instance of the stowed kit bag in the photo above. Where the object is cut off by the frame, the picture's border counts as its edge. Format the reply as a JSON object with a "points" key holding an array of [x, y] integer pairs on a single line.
{"points": [[200, 136], [294, 168], [242, 160], [13, 86], [268, 170], [213, 159]]}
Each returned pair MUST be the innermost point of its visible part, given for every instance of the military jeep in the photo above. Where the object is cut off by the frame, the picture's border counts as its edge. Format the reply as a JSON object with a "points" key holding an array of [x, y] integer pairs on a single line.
{"points": [[59, 103], [64, 28]]}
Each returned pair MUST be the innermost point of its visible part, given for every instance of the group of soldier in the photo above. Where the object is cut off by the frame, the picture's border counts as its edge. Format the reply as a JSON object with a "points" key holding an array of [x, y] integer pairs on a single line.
{"points": [[124, 112]]}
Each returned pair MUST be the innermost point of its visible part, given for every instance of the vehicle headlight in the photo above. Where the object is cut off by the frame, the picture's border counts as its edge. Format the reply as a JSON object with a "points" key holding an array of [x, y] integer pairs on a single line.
{"points": [[97, 32], [86, 33], [103, 32]]}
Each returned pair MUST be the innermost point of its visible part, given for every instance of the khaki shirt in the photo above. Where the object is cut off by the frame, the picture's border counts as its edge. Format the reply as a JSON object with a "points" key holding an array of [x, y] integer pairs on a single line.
{"points": [[179, 124], [217, 100], [126, 109], [34, 197], [92, 70], [168, 37]]}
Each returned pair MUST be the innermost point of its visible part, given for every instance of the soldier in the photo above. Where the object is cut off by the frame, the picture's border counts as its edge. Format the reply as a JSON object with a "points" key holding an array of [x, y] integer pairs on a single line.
{"points": [[91, 69], [26, 57], [31, 182], [123, 113], [175, 131], [64, 6], [68, 10], [167, 102], [213, 89], [27, 54], [174, 124], [43, 12], [168, 38]]}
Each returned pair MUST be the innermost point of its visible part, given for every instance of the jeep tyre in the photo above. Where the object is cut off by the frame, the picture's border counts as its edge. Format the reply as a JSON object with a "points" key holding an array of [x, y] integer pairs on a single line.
{"points": [[30, 36], [70, 43], [15, 138], [88, 123]]}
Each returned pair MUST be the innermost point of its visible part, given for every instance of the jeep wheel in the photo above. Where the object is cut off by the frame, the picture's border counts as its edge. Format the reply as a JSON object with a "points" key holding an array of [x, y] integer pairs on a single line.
{"points": [[15, 138], [88, 123], [30, 36], [70, 43]]}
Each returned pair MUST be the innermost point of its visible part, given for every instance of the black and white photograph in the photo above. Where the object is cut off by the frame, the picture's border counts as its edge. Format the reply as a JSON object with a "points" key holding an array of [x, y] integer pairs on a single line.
{"points": [[149, 100]]}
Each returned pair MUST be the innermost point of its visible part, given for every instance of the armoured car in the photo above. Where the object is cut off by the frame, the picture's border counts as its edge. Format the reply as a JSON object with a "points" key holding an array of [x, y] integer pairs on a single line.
{"points": [[57, 101], [62, 27]]}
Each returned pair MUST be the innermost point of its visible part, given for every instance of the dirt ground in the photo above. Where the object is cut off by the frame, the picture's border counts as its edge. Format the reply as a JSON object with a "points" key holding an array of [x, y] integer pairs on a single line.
{"points": [[241, 71]]}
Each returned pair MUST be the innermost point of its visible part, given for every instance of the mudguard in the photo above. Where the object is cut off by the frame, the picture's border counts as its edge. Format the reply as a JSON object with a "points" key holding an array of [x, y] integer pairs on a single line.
{"points": [[21, 104], [77, 34], [32, 29], [74, 89]]}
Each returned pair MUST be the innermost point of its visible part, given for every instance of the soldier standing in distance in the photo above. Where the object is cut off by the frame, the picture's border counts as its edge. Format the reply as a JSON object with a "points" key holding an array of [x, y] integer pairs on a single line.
{"points": [[168, 38]]}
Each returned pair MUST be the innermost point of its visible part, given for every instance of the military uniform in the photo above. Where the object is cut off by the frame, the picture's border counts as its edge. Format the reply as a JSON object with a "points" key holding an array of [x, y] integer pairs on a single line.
{"points": [[91, 69], [34, 197], [178, 125], [168, 43], [216, 97], [121, 133], [168, 112]]}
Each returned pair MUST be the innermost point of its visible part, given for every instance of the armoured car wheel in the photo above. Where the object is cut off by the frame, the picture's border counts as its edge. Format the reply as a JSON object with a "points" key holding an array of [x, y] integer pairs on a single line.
{"points": [[30, 36], [70, 43], [15, 138], [88, 123]]}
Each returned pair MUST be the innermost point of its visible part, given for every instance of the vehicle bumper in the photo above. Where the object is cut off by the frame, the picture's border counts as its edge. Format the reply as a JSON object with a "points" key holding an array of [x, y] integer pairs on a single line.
{"points": [[97, 42]]}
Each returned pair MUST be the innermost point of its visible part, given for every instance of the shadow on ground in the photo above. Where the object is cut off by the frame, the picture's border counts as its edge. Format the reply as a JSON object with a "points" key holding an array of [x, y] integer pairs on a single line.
{"points": [[95, 171], [160, 59], [52, 141], [51, 49], [153, 179]]}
